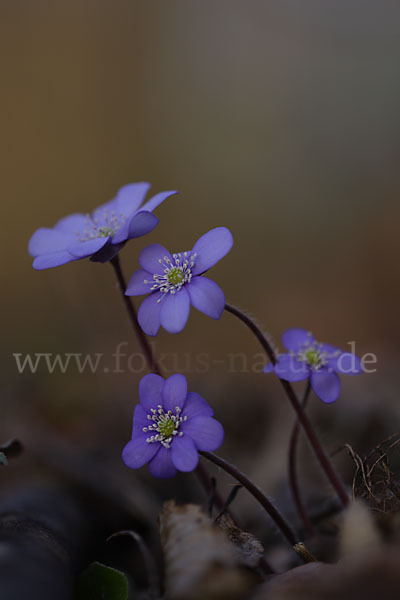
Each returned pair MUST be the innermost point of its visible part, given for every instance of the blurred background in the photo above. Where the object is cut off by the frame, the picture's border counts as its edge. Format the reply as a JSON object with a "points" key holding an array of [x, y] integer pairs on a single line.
{"points": [[277, 119]]}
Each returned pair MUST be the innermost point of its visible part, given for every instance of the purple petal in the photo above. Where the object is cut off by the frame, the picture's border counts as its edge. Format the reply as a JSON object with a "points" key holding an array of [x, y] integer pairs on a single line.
{"points": [[162, 466], [138, 452], [150, 391], [196, 406], [174, 392], [73, 224], [141, 224], [157, 200], [184, 453], [149, 314], [206, 432], [140, 421], [206, 296], [346, 363], [47, 241], [149, 258], [210, 248], [47, 261], [269, 368], [83, 249], [130, 197], [175, 310], [137, 285], [291, 369], [326, 385], [293, 339]]}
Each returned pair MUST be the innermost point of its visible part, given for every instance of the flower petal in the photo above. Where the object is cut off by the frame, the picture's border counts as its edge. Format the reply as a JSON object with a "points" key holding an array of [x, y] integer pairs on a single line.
{"points": [[293, 339], [149, 258], [157, 200], [210, 248], [47, 241], [174, 392], [141, 224], [291, 369], [196, 406], [47, 261], [137, 285], [326, 385], [346, 363], [149, 314], [140, 421], [150, 391], [73, 224], [161, 466], [269, 368], [138, 452], [130, 197], [206, 432], [206, 296], [175, 310], [83, 249], [184, 453]]}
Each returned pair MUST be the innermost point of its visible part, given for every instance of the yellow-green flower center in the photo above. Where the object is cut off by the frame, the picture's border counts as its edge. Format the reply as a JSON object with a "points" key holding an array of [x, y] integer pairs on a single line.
{"points": [[313, 357], [175, 276], [166, 426], [105, 232]]}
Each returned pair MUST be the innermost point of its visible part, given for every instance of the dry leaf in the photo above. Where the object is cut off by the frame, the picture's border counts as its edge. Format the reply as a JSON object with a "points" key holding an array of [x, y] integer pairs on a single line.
{"points": [[200, 561], [249, 549]]}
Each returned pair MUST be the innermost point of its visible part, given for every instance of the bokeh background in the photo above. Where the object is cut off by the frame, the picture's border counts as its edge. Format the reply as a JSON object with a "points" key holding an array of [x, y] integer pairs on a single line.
{"points": [[278, 119]]}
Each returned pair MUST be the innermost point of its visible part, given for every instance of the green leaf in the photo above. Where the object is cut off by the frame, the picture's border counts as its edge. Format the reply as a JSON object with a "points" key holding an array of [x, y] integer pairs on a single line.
{"points": [[100, 582], [3, 459]]}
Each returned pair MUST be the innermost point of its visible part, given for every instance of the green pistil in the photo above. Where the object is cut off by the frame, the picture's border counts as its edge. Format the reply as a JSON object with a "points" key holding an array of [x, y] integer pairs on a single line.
{"points": [[105, 231], [175, 276], [166, 426], [313, 357]]}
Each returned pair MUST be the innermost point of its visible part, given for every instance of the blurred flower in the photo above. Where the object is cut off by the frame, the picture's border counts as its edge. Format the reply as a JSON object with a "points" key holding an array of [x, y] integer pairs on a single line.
{"points": [[320, 362], [170, 426], [174, 282], [100, 235]]}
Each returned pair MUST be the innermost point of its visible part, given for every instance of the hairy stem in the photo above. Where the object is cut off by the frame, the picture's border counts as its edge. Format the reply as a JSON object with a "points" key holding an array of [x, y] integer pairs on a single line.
{"points": [[292, 468], [301, 415], [259, 495], [130, 308]]}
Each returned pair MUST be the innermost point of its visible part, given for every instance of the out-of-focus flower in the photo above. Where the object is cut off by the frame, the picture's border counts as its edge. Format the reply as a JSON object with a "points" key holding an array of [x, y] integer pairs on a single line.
{"points": [[308, 358], [170, 426], [100, 235], [175, 281]]}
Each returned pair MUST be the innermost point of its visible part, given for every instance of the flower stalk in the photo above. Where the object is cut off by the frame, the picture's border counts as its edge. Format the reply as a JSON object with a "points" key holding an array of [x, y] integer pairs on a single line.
{"points": [[292, 469], [301, 415], [259, 495], [130, 308]]}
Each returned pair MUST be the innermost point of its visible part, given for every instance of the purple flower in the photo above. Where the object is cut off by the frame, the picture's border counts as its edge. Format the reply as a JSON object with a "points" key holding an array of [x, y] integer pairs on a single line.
{"points": [[308, 358], [170, 426], [174, 282], [100, 235]]}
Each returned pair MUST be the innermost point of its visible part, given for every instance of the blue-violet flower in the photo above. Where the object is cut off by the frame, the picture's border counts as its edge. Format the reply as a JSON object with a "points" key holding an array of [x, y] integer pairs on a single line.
{"points": [[308, 358], [100, 235], [170, 426], [174, 282]]}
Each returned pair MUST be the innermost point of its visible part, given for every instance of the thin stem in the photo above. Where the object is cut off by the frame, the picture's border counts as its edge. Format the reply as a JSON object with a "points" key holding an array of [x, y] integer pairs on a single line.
{"points": [[259, 495], [302, 417], [292, 468], [143, 341]]}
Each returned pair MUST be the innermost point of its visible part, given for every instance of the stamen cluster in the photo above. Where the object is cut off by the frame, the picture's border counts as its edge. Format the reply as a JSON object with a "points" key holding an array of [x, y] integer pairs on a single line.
{"points": [[177, 272], [165, 425], [101, 225]]}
